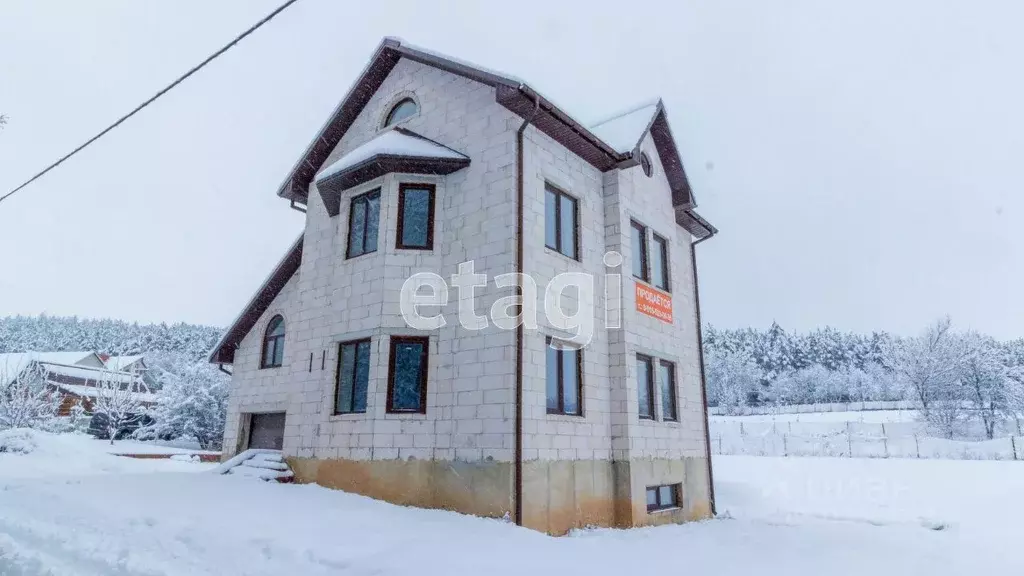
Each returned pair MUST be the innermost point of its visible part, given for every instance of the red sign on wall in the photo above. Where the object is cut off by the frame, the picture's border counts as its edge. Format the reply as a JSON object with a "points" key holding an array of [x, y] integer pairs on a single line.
{"points": [[654, 303]]}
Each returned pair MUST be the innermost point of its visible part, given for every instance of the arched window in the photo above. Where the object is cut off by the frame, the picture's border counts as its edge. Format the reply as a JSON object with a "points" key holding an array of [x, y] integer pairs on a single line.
{"points": [[645, 163], [273, 344], [404, 109]]}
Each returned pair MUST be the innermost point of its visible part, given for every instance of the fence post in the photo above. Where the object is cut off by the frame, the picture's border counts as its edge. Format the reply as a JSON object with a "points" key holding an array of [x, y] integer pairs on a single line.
{"points": [[849, 440], [785, 445], [917, 444], [885, 440], [1013, 442]]}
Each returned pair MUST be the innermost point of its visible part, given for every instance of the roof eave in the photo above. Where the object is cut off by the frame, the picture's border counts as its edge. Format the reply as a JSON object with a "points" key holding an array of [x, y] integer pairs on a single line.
{"points": [[224, 351]]}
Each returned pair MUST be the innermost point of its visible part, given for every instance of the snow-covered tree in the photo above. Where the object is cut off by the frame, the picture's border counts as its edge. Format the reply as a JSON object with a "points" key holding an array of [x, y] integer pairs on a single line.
{"points": [[984, 374], [26, 400], [117, 401], [191, 404], [929, 362], [734, 379]]}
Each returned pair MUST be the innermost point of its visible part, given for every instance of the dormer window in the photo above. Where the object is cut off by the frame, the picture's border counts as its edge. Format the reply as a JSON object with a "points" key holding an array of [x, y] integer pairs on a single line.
{"points": [[405, 108]]}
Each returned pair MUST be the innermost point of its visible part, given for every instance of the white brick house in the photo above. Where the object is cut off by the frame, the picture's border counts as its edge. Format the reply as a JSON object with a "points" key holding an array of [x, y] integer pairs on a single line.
{"points": [[429, 163]]}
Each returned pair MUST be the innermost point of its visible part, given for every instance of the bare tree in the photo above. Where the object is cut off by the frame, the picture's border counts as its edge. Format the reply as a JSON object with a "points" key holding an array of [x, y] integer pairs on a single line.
{"points": [[117, 401], [26, 400]]}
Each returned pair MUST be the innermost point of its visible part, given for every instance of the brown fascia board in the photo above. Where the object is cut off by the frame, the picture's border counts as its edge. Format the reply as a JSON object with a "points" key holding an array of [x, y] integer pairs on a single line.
{"points": [[694, 223], [511, 93], [378, 165], [553, 121], [224, 351], [661, 133]]}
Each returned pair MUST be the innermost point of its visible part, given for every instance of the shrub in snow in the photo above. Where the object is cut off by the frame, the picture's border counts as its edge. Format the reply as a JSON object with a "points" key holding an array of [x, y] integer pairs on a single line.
{"points": [[192, 403], [17, 441], [117, 401], [26, 400]]}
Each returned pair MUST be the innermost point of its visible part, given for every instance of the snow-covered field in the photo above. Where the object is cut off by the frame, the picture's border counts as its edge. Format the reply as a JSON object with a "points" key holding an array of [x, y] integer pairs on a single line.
{"points": [[867, 416], [778, 516], [75, 455]]}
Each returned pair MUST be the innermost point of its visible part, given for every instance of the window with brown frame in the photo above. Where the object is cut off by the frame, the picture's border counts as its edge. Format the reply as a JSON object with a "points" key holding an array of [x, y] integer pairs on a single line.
{"points": [[561, 222], [663, 497], [564, 374], [415, 217], [660, 264], [407, 374], [639, 241], [353, 377], [363, 224], [667, 379], [645, 386], [273, 344]]}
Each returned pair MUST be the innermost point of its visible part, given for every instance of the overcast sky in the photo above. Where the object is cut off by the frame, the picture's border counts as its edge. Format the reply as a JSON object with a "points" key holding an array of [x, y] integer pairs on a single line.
{"points": [[862, 159]]}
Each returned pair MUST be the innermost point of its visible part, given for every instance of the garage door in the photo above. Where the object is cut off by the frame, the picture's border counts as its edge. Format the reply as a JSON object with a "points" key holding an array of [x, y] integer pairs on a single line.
{"points": [[267, 431]]}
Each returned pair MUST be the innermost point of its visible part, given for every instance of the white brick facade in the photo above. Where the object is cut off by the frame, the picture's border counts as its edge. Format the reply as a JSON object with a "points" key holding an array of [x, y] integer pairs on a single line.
{"points": [[470, 409]]}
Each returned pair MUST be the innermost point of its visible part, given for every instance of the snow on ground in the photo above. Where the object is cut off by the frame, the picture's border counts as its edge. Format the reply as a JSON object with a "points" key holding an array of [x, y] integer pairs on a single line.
{"points": [[781, 516], [74, 455], [155, 447], [867, 416]]}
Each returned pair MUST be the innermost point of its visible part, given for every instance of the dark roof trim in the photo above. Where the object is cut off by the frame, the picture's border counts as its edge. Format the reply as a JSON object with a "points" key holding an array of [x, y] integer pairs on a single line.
{"points": [[224, 352], [512, 93], [682, 194], [694, 224], [378, 165]]}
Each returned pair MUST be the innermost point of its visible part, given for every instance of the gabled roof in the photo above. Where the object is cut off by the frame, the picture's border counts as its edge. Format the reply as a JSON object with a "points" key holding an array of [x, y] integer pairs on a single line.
{"points": [[12, 364], [224, 351], [395, 150], [514, 94], [122, 362], [624, 131]]}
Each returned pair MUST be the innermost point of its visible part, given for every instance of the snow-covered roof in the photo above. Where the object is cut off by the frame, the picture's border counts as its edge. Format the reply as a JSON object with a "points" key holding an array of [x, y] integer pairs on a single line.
{"points": [[91, 392], [393, 143], [122, 362], [12, 364], [623, 131], [89, 373]]}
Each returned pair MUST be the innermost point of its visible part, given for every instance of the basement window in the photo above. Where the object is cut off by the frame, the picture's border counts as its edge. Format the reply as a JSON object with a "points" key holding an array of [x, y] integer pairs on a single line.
{"points": [[663, 497]]}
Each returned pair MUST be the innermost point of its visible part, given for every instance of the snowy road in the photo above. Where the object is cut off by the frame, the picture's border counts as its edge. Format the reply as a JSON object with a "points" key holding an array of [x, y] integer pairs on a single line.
{"points": [[784, 516]]}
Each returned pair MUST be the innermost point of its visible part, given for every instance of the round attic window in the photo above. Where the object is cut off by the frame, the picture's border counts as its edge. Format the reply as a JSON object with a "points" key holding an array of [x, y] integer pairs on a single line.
{"points": [[404, 109], [645, 163]]}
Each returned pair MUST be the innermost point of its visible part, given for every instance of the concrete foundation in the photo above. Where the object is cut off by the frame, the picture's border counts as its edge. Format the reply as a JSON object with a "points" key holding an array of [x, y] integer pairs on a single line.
{"points": [[557, 495], [478, 488]]}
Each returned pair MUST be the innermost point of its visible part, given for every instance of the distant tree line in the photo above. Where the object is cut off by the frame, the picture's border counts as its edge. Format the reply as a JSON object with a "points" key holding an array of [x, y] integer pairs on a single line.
{"points": [[953, 376]]}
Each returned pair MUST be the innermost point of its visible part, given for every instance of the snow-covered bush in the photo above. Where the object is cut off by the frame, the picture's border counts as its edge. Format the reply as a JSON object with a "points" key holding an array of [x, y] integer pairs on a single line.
{"points": [[26, 400], [192, 403], [17, 441], [117, 401]]}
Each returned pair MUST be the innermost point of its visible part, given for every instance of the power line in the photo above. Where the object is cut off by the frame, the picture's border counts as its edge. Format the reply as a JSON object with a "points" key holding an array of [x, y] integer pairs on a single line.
{"points": [[163, 91]]}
